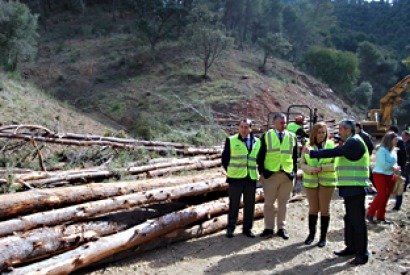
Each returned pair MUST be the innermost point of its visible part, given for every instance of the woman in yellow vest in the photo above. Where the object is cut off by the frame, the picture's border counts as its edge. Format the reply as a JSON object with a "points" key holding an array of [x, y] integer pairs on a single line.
{"points": [[319, 180]]}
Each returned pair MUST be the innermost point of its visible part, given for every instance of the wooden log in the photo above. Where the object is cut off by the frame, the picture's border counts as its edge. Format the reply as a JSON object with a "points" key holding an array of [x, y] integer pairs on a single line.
{"points": [[196, 166], [37, 175], [198, 151], [95, 251], [16, 204], [13, 170], [87, 210], [207, 227], [29, 127], [170, 163], [131, 168], [43, 179], [47, 132], [74, 177], [45, 242]]}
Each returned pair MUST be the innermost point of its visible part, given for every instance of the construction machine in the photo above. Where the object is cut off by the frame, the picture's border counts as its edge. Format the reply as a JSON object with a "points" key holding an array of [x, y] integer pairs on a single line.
{"points": [[379, 120], [294, 111]]}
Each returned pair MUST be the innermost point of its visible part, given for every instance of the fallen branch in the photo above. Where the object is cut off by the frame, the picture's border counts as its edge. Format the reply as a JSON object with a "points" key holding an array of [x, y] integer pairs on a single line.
{"points": [[45, 135]]}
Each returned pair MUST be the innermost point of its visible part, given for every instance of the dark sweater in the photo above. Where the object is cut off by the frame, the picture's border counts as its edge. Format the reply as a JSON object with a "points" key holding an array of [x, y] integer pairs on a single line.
{"points": [[353, 150]]}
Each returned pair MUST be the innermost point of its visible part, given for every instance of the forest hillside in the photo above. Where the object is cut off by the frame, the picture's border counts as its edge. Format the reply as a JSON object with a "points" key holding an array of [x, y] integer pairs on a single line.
{"points": [[115, 81]]}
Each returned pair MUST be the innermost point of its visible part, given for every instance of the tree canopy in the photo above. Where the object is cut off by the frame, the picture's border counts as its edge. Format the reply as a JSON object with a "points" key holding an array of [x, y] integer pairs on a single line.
{"points": [[373, 32], [18, 34]]}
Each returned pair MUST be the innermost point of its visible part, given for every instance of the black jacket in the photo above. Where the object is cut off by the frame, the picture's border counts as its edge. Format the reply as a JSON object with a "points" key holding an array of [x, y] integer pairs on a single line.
{"points": [[401, 153], [367, 140]]}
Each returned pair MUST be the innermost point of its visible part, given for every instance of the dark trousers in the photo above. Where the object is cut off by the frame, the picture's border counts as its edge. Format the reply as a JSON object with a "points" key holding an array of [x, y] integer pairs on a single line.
{"points": [[406, 174], [355, 225], [247, 188]]}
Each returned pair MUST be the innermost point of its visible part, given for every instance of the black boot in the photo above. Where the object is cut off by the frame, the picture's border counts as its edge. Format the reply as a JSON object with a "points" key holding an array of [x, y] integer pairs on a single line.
{"points": [[312, 229], [324, 225]]}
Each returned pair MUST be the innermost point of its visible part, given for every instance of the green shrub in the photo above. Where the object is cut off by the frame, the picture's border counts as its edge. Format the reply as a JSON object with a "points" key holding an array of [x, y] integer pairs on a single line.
{"points": [[340, 70], [18, 34]]}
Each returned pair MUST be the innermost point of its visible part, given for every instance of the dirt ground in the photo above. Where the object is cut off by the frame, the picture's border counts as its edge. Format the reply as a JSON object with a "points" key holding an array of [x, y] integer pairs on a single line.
{"points": [[215, 254]]}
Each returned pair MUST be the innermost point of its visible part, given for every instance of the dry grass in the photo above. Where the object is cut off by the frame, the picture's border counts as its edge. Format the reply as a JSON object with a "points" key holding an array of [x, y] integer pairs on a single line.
{"points": [[22, 103]]}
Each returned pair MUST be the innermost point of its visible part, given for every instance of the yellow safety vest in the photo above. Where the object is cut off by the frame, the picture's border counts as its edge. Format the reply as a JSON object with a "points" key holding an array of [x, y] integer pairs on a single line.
{"points": [[324, 178], [241, 163], [353, 173], [293, 127], [279, 156]]}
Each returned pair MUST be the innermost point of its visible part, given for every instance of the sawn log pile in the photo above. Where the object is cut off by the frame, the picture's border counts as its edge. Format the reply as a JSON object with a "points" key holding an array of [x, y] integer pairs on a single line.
{"points": [[47, 229]]}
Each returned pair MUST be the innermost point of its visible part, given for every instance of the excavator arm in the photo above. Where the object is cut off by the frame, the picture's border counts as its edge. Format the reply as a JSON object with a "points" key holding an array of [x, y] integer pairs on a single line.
{"points": [[381, 119], [391, 99]]}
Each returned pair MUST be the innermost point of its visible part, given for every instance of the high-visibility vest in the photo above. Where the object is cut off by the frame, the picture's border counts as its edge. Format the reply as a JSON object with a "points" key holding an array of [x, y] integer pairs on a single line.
{"points": [[279, 156], [293, 127], [353, 173], [252, 166], [324, 178], [241, 162]]}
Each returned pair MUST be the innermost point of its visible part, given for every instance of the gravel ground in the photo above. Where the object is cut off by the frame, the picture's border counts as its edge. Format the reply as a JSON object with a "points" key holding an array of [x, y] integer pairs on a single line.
{"points": [[215, 254]]}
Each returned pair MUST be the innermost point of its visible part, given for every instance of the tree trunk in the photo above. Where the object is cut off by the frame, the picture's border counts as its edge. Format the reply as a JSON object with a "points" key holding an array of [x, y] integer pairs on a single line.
{"points": [[170, 163], [114, 9], [46, 242], [17, 204], [106, 246], [87, 210], [210, 226], [196, 166], [43, 14], [201, 151], [37, 179]]}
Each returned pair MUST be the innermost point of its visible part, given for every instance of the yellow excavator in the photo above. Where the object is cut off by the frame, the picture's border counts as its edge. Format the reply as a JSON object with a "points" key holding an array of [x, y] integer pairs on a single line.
{"points": [[379, 120]]}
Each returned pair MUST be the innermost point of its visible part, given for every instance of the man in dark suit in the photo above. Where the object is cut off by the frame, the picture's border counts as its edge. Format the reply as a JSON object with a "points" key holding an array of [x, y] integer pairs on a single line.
{"points": [[239, 162]]}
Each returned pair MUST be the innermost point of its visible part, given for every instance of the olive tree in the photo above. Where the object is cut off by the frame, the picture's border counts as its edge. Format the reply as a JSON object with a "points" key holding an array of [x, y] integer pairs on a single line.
{"points": [[205, 38], [274, 45]]}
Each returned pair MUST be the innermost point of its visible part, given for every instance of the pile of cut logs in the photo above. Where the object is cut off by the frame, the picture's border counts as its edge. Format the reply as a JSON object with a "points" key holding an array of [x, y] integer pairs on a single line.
{"points": [[57, 228]]}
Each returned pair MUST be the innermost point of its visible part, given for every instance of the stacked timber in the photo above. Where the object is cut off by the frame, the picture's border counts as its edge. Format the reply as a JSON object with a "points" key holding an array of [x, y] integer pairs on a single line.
{"points": [[66, 220], [35, 179], [60, 230]]}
